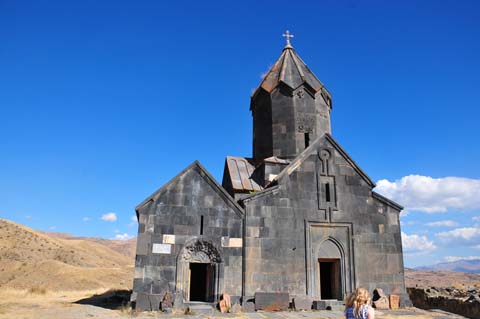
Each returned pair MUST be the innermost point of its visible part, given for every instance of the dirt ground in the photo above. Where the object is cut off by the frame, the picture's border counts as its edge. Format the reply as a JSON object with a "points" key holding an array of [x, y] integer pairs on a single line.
{"points": [[22, 304]]}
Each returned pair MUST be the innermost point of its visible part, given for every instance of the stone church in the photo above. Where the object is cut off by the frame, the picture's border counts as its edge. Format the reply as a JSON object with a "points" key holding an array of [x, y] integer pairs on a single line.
{"points": [[298, 218]]}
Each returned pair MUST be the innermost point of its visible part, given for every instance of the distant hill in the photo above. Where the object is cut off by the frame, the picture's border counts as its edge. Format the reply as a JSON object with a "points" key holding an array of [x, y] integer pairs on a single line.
{"points": [[30, 258], [468, 266], [441, 279], [124, 247]]}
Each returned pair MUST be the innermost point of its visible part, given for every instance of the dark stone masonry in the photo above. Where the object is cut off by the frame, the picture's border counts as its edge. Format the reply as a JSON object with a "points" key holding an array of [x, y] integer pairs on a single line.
{"points": [[297, 221]]}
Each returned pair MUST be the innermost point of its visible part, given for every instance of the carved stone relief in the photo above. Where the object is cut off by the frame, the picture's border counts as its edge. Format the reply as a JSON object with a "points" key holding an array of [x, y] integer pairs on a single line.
{"points": [[326, 185], [305, 123]]}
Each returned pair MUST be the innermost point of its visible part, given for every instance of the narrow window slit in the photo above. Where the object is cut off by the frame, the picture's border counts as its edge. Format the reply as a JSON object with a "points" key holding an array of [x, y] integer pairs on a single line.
{"points": [[307, 139], [327, 192], [201, 225]]}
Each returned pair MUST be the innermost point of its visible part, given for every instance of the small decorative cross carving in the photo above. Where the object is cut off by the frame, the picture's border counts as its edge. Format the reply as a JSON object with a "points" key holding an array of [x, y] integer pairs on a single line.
{"points": [[287, 35]]}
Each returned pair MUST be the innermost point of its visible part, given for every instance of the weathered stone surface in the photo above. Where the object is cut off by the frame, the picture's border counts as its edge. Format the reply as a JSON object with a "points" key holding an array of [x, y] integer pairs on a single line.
{"points": [[248, 305], [380, 299], [178, 304], [328, 305], [271, 301], [445, 300], [302, 303], [236, 308], [381, 303], [147, 302], [225, 304], [167, 301], [200, 309], [394, 302]]}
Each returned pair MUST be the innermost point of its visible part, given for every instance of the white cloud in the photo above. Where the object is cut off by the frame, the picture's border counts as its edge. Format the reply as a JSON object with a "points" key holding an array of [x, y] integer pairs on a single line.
{"points": [[123, 236], [52, 227], [476, 218], [86, 219], [416, 244], [456, 258], [462, 235], [109, 217], [445, 223], [133, 221], [404, 213], [476, 247], [432, 195]]}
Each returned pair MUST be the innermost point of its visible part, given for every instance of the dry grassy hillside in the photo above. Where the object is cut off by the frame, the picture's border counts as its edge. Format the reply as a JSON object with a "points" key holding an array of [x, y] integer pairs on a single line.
{"points": [[30, 258], [441, 279], [124, 247]]}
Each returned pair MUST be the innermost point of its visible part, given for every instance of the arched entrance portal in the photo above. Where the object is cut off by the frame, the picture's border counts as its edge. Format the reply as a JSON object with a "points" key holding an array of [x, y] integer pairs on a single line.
{"points": [[199, 269], [330, 270]]}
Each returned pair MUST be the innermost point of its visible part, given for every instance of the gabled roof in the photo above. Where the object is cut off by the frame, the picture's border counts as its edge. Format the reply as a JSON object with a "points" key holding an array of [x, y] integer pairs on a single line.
{"points": [[207, 177], [292, 71], [313, 148], [240, 172]]}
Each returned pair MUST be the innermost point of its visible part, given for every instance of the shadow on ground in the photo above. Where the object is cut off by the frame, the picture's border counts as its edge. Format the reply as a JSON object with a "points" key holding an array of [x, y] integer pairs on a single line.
{"points": [[111, 299]]}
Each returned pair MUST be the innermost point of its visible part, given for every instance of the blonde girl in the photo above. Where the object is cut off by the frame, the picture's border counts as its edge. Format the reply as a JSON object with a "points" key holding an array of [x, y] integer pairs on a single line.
{"points": [[357, 305]]}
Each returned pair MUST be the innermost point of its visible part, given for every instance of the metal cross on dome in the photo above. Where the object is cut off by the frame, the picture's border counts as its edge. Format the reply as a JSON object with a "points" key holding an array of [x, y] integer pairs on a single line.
{"points": [[287, 35]]}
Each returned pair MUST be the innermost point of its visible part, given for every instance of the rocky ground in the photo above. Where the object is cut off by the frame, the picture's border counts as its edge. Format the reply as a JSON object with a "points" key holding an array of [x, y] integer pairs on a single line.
{"points": [[463, 302], [455, 292], [87, 304]]}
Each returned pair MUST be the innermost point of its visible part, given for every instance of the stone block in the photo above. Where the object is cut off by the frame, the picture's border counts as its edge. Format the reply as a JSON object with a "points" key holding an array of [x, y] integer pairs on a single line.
{"points": [[328, 305], [381, 303], [143, 241], [147, 302], [302, 303], [200, 309], [178, 303], [248, 305], [394, 302], [272, 301], [380, 299], [236, 309], [142, 303]]}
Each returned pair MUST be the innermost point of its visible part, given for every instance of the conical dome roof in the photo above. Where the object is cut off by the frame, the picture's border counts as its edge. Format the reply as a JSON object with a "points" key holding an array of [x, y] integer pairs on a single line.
{"points": [[292, 71]]}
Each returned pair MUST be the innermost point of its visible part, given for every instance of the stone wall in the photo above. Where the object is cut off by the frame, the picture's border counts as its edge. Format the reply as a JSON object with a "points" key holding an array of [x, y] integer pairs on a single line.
{"points": [[171, 235], [287, 225], [425, 298]]}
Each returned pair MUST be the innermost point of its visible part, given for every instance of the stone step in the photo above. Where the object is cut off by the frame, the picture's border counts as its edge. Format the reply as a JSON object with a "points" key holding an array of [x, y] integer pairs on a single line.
{"points": [[200, 308], [328, 304]]}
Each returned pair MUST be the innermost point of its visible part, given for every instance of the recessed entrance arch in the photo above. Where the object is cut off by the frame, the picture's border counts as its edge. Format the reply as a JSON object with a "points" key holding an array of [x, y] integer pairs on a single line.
{"points": [[330, 270], [199, 272], [330, 273]]}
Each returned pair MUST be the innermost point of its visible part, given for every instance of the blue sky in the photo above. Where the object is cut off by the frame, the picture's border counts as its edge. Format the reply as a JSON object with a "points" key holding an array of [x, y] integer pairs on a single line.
{"points": [[103, 102]]}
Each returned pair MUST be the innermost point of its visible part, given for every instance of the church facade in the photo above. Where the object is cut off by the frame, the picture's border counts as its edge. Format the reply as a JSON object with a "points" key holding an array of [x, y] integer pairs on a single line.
{"points": [[298, 217]]}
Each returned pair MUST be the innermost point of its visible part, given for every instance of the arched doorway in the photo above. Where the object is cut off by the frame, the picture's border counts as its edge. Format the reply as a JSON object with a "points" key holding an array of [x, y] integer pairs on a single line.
{"points": [[329, 254], [199, 272], [330, 274]]}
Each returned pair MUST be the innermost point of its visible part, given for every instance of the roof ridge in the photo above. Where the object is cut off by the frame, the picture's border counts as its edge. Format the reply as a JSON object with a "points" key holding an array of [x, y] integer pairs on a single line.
{"points": [[209, 179], [294, 58]]}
